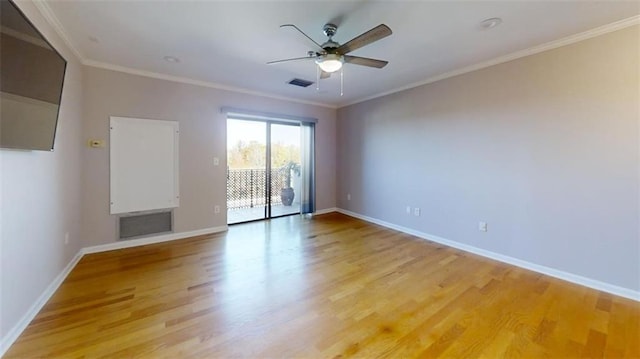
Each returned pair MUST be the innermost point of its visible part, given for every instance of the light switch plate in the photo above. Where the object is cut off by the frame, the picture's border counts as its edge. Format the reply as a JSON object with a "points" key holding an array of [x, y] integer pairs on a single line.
{"points": [[96, 143]]}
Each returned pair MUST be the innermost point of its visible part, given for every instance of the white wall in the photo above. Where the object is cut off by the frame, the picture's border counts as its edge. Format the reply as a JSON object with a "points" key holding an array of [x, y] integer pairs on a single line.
{"points": [[202, 137], [40, 200], [545, 149]]}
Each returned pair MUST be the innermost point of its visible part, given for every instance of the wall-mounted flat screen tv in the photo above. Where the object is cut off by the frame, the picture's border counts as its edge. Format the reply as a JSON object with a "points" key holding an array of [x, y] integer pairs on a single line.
{"points": [[31, 77]]}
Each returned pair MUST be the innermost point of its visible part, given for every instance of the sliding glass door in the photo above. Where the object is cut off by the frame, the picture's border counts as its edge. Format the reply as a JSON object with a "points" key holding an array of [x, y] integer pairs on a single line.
{"points": [[246, 170], [285, 169], [264, 169]]}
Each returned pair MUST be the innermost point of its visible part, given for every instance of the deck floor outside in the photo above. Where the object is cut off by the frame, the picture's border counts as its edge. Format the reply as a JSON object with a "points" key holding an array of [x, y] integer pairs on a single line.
{"points": [[240, 215]]}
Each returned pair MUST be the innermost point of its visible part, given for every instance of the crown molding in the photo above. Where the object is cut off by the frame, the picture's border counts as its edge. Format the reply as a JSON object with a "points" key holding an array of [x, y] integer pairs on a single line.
{"points": [[189, 81], [51, 18], [605, 29]]}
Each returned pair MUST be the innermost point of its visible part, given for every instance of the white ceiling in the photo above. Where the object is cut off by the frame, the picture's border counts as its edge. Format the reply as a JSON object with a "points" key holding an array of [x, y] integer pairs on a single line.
{"points": [[227, 43]]}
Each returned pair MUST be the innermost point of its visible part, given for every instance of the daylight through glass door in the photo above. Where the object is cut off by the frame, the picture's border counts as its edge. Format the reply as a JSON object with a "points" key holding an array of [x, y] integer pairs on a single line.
{"points": [[285, 169], [263, 169]]}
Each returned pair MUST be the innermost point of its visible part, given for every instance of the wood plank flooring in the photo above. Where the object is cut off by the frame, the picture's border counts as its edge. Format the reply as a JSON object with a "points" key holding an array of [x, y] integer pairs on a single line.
{"points": [[328, 287]]}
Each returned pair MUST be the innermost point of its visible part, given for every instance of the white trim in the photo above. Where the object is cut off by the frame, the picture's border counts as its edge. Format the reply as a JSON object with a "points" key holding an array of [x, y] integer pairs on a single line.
{"points": [[325, 211], [151, 240], [569, 277], [51, 18], [17, 329], [14, 333], [605, 29], [189, 81]]}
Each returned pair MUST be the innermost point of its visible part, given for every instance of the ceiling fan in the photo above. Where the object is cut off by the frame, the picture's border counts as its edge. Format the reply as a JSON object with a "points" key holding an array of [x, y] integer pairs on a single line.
{"points": [[330, 56]]}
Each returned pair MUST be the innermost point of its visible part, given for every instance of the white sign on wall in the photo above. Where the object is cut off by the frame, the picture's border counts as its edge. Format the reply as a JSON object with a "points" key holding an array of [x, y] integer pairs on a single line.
{"points": [[143, 164]]}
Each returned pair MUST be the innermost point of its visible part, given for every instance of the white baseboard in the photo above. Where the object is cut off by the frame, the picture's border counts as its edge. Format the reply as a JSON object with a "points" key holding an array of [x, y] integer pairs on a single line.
{"points": [[17, 329], [15, 332], [151, 240], [569, 277], [325, 211]]}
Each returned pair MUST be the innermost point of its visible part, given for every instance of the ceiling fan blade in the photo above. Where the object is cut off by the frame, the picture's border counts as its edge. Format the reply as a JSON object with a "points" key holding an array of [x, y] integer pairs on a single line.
{"points": [[373, 35], [365, 61], [324, 75], [302, 32], [294, 59]]}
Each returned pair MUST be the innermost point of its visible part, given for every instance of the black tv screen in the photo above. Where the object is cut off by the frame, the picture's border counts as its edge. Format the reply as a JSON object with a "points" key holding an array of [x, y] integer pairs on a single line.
{"points": [[32, 74]]}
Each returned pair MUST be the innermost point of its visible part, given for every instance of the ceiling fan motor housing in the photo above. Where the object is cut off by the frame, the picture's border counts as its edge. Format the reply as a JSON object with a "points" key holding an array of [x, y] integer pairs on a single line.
{"points": [[330, 46], [330, 30]]}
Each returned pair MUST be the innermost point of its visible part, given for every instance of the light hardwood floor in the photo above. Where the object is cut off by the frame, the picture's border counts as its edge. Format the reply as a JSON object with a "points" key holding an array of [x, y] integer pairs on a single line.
{"points": [[330, 287]]}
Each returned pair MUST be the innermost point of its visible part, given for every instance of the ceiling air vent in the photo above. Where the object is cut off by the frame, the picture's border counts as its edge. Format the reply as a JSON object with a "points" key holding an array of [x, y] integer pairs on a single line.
{"points": [[300, 82]]}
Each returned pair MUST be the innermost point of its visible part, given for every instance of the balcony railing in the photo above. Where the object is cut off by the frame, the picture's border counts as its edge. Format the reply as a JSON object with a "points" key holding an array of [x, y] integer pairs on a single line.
{"points": [[246, 188]]}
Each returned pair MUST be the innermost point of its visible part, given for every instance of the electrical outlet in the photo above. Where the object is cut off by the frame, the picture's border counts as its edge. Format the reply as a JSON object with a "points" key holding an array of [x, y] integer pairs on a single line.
{"points": [[408, 209], [482, 226], [216, 161], [348, 196], [66, 238], [416, 212], [216, 209]]}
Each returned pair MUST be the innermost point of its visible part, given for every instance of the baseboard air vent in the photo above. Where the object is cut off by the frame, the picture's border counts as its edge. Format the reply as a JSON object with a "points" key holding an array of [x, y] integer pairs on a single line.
{"points": [[144, 224]]}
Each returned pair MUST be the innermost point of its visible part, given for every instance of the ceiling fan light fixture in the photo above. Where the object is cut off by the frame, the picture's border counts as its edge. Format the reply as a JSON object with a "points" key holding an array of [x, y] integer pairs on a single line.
{"points": [[330, 62]]}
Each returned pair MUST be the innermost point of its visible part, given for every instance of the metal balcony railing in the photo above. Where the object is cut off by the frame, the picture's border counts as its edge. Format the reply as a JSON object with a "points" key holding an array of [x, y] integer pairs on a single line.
{"points": [[246, 188]]}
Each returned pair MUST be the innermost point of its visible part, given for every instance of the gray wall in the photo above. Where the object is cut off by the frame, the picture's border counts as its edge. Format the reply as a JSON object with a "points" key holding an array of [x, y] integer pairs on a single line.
{"points": [[40, 200], [202, 137], [545, 149]]}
